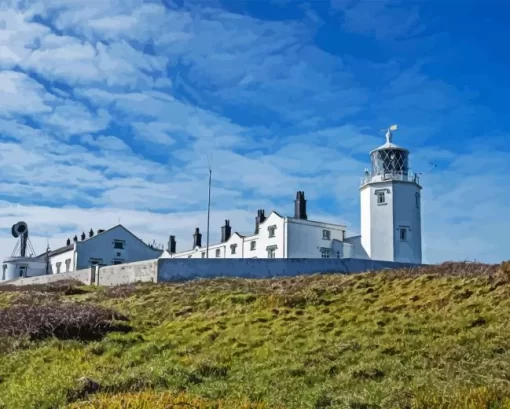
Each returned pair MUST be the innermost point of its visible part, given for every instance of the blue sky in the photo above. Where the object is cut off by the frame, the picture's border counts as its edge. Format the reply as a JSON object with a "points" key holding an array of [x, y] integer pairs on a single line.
{"points": [[109, 110]]}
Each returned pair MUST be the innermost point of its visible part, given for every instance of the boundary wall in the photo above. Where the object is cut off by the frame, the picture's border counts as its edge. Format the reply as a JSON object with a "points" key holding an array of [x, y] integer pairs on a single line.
{"points": [[177, 269], [182, 269]]}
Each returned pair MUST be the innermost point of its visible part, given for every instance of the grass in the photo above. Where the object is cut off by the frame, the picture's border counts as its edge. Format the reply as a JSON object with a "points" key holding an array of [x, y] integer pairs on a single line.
{"points": [[437, 337]]}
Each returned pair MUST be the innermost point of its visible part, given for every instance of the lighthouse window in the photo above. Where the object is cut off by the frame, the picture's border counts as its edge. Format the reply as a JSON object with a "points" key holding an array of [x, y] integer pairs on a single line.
{"points": [[58, 267], [403, 234], [68, 265], [4, 268], [381, 198], [417, 196], [326, 234]]}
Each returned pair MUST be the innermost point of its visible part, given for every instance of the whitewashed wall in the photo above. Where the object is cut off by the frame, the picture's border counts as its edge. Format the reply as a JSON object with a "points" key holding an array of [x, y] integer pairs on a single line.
{"points": [[407, 214], [377, 231], [102, 247], [69, 256], [305, 239]]}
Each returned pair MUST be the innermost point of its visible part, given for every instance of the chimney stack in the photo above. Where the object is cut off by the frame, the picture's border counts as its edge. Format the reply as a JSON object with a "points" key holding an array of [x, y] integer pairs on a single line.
{"points": [[197, 238], [226, 231], [259, 219], [68, 242], [300, 206], [75, 239], [91, 233], [100, 231], [172, 245], [83, 236]]}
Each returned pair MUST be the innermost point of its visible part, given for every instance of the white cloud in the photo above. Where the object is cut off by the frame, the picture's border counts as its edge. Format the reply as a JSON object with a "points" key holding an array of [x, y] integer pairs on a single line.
{"points": [[116, 111], [20, 94]]}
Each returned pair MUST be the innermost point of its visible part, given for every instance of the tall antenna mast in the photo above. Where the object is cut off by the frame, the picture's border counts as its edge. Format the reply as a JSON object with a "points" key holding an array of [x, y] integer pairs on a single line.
{"points": [[209, 204]]}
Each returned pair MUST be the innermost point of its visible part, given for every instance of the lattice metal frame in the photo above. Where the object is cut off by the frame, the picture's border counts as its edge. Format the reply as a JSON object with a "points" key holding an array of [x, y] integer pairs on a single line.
{"points": [[390, 161]]}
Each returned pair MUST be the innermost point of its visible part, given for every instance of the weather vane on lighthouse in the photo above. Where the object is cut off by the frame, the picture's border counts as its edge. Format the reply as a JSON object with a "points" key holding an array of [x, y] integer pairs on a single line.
{"points": [[389, 133]]}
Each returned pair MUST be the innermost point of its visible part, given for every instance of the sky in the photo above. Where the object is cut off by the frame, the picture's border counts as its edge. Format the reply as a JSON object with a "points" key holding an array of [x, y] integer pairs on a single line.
{"points": [[110, 111]]}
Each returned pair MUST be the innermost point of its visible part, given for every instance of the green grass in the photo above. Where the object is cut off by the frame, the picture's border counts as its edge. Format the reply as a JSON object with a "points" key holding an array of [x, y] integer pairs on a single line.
{"points": [[436, 338]]}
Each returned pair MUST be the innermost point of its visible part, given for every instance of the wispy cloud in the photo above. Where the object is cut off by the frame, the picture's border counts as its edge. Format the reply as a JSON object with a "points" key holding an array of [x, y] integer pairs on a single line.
{"points": [[110, 110]]}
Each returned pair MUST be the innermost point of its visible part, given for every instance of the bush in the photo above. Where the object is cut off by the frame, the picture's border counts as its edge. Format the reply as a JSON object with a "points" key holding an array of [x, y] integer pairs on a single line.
{"points": [[64, 287], [64, 321]]}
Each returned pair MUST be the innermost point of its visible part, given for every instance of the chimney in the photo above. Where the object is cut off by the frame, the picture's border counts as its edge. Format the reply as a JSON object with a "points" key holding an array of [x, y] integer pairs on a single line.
{"points": [[83, 236], [226, 231], [172, 245], [68, 242], [300, 206], [259, 219], [75, 239], [91, 233], [197, 238], [100, 231]]}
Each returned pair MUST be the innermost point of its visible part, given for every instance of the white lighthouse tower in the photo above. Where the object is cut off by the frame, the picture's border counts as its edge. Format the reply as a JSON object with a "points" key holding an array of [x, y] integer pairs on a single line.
{"points": [[391, 206]]}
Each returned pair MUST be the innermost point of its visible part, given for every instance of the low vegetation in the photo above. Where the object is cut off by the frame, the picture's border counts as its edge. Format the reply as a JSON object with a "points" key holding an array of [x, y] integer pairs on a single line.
{"points": [[435, 337]]}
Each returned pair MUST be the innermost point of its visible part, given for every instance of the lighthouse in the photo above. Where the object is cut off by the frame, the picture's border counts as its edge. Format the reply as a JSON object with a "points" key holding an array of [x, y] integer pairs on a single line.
{"points": [[390, 198]]}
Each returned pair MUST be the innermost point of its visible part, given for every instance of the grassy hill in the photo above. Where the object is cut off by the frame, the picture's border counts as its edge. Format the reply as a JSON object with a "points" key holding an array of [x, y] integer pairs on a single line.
{"points": [[437, 337]]}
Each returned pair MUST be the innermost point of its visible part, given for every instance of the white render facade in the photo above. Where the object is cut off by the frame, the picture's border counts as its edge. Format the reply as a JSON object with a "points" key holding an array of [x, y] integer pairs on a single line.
{"points": [[390, 211], [113, 246], [280, 237], [391, 207]]}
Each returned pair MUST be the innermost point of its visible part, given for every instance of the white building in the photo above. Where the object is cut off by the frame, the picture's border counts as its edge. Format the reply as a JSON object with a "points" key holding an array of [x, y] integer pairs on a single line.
{"points": [[391, 206], [113, 246], [390, 223]]}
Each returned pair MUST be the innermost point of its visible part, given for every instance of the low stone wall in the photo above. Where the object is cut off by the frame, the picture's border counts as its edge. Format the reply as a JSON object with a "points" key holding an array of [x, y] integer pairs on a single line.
{"points": [[176, 269], [141, 271], [85, 276]]}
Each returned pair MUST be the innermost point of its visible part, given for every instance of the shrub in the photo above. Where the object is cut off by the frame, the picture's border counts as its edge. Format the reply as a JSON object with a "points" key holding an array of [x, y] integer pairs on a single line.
{"points": [[64, 321], [65, 287]]}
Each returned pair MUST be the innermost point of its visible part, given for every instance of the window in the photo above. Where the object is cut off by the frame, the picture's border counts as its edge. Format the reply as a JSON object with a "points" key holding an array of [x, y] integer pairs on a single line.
{"points": [[117, 262], [68, 265], [58, 267], [23, 271], [380, 198], [271, 251], [253, 245], [325, 253], [271, 230], [118, 244], [4, 269], [203, 254], [403, 234], [417, 197], [337, 254], [218, 253], [118, 254], [189, 256], [326, 235], [233, 248]]}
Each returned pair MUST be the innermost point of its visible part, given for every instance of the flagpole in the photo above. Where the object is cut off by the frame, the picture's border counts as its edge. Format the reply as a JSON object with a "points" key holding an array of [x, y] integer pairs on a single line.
{"points": [[209, 209]]}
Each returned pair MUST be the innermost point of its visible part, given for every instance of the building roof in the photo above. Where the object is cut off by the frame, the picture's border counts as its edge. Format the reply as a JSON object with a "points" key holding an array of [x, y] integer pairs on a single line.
{"points": [[63, 249], [57, 251]]}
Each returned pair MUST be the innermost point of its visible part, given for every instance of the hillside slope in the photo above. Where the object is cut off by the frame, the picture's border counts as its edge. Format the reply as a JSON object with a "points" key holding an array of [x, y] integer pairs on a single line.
{"points": [[430, 338]]}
